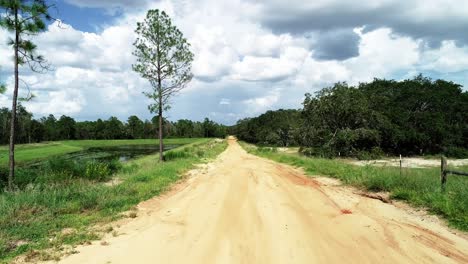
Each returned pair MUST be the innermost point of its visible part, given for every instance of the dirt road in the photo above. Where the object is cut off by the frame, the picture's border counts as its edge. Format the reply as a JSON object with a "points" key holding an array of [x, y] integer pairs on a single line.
{"points": [[244, 209]]}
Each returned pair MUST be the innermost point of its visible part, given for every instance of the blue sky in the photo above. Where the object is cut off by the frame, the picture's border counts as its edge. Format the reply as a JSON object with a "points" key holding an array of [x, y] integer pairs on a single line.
{"points": [[250, 56], [83, 18]]}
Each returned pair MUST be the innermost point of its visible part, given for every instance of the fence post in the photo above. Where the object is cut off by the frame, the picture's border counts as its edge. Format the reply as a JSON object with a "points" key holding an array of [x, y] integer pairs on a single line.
{"points": [[443, 172], [400, 165]]}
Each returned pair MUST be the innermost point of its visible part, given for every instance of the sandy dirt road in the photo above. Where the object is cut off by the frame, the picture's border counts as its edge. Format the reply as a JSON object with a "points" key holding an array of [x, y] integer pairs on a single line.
{"points": [[244, 209]]}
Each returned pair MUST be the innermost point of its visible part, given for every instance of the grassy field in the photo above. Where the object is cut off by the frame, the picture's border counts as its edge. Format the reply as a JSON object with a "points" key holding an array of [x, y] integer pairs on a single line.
{"points": [[30, 152], [419, 187], [52, 216]]}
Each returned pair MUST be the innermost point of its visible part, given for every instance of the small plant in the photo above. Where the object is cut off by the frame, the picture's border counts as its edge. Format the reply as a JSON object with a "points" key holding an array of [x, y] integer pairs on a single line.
{"points": [[200, 153], [176, 154], [268, 149], [132, 215], [97, 171]]}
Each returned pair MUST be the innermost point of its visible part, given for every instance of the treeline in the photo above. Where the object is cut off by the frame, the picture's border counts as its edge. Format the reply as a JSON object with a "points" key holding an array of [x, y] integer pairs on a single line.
{"points": [[30, 130], [274, 128], [418, 116]]}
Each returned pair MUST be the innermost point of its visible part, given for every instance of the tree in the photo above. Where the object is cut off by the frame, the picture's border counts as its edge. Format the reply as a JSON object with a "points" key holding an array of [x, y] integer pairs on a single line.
{"points": [[164, 58], [409, 117], [66, 127], [135, 127], [50, 127], [114, 128], [24, 18], [273, 128]]}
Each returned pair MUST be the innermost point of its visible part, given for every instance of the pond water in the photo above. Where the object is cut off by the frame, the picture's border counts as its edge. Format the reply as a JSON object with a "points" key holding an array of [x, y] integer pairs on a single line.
{"points": [[122, 153]]}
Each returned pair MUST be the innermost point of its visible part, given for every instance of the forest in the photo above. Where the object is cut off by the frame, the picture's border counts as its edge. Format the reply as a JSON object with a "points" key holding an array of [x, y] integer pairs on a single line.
{"points": [[417, 116], [50, 128]]}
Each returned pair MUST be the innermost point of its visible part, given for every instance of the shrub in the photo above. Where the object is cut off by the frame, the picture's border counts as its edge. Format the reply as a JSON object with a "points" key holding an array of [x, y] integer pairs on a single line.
{"points": [[456, 152]]}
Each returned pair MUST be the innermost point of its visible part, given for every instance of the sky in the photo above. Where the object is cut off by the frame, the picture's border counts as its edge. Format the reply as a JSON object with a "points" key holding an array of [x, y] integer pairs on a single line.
{"points": [[250, 55]]}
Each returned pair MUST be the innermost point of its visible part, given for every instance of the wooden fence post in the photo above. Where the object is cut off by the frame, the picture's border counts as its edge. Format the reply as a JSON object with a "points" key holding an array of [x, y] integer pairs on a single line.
{"points": [[443, 172], [400, 165]]}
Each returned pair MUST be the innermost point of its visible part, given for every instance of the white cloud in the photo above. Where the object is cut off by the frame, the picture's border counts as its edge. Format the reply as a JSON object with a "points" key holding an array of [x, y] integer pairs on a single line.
{"points": [[213, 53], [225, 101], [64, 102], [269, 68], [449, 58], [260, 104], [243, 65]]}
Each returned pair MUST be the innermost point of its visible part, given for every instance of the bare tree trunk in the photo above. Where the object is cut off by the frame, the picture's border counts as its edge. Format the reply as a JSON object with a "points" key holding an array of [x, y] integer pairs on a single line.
{"points": [[161, 144], [11, 175]]}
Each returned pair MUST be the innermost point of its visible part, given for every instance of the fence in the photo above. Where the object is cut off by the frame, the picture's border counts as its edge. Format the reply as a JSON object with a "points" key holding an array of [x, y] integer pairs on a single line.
{"points": [[444, 172]]}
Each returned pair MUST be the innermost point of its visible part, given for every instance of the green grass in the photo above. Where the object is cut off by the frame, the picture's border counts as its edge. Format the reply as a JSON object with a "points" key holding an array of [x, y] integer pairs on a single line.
{"points": [[30, 152], [37, 216], [419, 187]]}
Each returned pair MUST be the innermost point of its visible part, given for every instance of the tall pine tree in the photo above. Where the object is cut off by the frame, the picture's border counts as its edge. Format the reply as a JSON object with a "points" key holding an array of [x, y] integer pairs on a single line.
{"points": [[164, 59], [23, 18]]}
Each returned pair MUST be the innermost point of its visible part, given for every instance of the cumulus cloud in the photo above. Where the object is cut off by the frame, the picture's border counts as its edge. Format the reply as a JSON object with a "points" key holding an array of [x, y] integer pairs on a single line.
{"points": [[269, 68], [250, 56], [431, 21], [213, 53], [260, 104], [447, 58]]}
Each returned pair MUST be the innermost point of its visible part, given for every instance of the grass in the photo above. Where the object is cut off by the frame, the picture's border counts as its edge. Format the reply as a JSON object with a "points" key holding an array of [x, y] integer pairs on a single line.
{"points": [[35, 219], [419, 187], [29, 152]]}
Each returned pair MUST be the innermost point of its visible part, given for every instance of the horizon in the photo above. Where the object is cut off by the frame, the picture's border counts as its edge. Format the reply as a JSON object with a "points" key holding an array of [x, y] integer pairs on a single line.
{"points": [[250, 57]]}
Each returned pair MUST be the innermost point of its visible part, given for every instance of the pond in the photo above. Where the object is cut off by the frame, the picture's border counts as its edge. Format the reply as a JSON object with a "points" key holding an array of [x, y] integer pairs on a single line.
{"points": [[122, 153]]}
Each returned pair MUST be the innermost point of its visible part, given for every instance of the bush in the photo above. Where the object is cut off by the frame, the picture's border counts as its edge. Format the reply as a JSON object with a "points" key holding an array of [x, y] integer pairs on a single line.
{"points": [[456, 152]]}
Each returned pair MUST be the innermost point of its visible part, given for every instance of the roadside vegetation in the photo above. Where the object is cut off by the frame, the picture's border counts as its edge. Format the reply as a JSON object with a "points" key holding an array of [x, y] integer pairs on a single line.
{"points": [[417, 116], [61, 211], [418, 187]]}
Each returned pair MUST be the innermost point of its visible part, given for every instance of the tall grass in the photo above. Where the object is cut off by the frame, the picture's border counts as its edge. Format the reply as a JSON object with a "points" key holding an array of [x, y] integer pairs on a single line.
{"points": [[419, 187], [34, 219], [60, 170]]}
